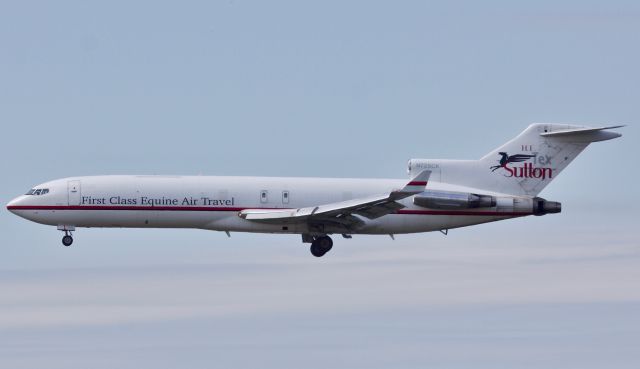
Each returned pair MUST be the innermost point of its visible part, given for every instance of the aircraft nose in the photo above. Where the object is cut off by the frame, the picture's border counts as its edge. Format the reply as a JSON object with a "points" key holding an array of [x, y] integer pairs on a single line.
{"points": [[12, 206]]}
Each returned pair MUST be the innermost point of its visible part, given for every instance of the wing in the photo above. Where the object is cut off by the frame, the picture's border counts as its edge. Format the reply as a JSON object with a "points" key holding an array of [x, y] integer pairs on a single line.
{"points": [[519, 158], [342, 214]]}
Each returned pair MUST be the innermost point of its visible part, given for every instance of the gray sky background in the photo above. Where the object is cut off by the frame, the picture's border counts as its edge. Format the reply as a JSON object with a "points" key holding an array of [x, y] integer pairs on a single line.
{"points": [[346, 89]]}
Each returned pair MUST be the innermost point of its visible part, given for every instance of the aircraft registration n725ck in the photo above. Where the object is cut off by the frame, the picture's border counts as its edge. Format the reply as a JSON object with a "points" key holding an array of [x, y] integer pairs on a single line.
{"points": [[440, 195]]}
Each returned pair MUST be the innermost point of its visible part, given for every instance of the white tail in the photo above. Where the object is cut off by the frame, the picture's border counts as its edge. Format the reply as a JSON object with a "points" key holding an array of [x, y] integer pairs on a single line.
{"points": [[523, 166]]}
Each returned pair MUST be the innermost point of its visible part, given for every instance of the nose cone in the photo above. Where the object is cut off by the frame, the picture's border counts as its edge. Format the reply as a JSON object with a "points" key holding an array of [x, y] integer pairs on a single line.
{"points": [[14, 204]]}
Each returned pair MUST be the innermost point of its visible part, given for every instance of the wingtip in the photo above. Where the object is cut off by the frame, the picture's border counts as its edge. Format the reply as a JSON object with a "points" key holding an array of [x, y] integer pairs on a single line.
{"points": [[418, 183], [422, 176]]}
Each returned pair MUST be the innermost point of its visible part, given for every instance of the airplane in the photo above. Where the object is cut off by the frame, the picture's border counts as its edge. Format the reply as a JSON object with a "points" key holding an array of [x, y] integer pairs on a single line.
{"points": [[440, 195]]}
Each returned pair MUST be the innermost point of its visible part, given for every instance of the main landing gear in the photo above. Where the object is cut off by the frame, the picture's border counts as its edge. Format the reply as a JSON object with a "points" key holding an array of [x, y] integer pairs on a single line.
{"points": [[67, 240], [321, 245]]}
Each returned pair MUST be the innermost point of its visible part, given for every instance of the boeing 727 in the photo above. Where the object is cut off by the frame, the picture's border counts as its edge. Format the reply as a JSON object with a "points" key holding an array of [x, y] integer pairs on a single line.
{"points": [[439, 195]]}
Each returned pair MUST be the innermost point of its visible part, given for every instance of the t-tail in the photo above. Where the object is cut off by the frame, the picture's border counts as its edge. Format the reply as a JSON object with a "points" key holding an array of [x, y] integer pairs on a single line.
{"points": [[523, 166]]}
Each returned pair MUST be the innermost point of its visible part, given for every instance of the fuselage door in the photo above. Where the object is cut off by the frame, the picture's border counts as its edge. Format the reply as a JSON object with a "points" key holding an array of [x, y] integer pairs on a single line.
{"points": [[73, 188]]}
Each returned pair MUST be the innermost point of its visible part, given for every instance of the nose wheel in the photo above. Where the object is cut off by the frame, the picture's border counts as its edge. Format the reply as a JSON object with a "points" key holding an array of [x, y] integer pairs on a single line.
{"points": [[321, 246], [67, 240]]}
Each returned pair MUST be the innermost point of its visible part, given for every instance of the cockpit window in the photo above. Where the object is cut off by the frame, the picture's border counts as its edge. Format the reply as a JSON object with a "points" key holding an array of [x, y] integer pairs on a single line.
{"points": [[38, 191]]}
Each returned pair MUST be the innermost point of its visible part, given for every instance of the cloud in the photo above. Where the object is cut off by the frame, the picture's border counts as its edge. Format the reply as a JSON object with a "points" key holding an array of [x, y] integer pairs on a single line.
{"points": [[390, 278]]}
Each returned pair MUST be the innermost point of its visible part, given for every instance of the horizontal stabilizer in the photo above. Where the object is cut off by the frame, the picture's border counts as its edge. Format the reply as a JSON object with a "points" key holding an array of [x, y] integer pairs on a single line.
{"points": [[586, 134]]}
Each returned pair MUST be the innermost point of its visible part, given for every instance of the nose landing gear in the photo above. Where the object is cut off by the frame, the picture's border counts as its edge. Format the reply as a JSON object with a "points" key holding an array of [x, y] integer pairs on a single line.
{"points": [[67, 240], [321, 245]]}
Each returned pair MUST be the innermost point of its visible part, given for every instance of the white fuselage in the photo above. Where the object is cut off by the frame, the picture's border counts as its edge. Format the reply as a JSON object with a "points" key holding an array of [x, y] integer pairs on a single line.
{"points": [[439, 195], [213, 203]]}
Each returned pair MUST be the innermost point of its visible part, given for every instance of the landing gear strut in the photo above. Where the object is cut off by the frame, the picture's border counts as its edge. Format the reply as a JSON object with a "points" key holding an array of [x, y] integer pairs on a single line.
{"points": [[67, 240], [321, 245]]}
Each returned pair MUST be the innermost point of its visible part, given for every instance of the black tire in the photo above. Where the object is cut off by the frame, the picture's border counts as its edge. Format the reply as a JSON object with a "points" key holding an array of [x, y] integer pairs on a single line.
{"points": [[325, 244], [315, 250], [321, 246], [67, 240]]}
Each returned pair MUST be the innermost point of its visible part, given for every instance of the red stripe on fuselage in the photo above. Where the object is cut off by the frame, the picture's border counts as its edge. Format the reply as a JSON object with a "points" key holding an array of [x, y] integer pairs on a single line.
{"points": [[209, 208], [130, 208]]}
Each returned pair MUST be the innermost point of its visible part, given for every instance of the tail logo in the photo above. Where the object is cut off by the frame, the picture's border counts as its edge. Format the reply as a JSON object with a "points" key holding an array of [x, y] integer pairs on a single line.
{"points": [[527, 170]]}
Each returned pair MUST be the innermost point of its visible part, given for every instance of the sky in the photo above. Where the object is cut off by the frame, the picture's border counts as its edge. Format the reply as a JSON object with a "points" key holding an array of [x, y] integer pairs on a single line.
{"points": [[329, 89]]}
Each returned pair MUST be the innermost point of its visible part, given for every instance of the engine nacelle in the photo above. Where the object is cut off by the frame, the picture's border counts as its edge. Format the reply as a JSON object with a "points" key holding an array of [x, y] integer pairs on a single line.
{"points": [[528, 205], [450, 200], [453, 200], [542, 206]]}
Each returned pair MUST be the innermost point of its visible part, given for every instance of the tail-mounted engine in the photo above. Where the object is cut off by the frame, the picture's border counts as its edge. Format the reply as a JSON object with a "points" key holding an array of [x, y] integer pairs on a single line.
{"points": [[453, 200], [449, 200], [542, 206]]}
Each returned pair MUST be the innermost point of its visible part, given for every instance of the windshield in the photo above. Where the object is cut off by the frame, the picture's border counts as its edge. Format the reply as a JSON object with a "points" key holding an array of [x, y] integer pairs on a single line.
{"points": [[37, 191]]}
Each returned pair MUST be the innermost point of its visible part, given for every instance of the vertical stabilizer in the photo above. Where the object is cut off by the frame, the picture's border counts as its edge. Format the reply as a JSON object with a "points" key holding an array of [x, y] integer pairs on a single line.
{"points": [[524, 165]]}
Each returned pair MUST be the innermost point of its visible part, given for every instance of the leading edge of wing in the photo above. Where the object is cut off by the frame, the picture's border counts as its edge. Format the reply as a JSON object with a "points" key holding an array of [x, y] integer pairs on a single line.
{"points": [[369, 207]]}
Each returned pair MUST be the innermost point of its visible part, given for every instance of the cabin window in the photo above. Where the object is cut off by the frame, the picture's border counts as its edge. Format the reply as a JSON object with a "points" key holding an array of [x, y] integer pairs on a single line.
{"points": [[285, 197], [263, 196]]}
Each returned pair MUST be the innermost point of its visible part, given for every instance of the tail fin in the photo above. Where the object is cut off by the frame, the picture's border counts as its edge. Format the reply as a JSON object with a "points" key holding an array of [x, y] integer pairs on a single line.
{"points": [[523, 166], [536, 156]]}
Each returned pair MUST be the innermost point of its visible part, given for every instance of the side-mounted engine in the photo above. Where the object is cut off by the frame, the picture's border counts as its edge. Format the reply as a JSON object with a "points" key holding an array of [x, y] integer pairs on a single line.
{"points": [[451, 200]]}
